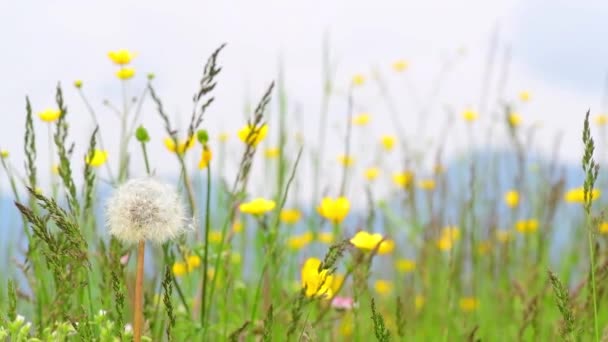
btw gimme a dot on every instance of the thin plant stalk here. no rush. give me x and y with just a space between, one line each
138 317
206 252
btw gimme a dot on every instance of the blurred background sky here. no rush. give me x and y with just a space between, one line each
558 53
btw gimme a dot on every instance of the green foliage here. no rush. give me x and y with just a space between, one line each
380 330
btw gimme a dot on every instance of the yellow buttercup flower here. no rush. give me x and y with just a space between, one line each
468 304
403 179
290 216
388 142
427 184
181 147
179 268
125 73
362 119
49 115
334 209
526 226
121 56
345 160
257 206
368 242
316 282
405 265
419 302
603 228
215 237
98 158
372 173
237 226
326 237
469 115
449 235
271 153
383 287
514 119
206 156
4 154
337 282
253 135
298 242
400 65
503 236
525 96
512 198
78 84
358 80
601 119
445 243
192 262
577 195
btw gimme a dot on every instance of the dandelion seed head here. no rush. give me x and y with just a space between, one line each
145 209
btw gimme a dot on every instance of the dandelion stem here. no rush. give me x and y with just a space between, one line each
206 253
138 302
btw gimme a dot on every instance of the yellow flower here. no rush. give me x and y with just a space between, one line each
49 114
388 142
257 206
125 73
368 242
577 195
193 262
514 119
400 65
337 282
223 137
316 281
525 96
121 56
334 210
55 169
403 179
372 173
290 216
484 247
4 154
526 226
98 158
503 236
469 115
253 135
326 237
383 287
445 243
215 237
78 84
300 241
358 80
419 302
237 226
180 268
271 152
182 146
405 265
206 156
512 198
603 228
468 304
601 119
362 119
427 184
346 161
451 232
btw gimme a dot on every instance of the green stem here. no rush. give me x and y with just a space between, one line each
593 290
206 253
145 152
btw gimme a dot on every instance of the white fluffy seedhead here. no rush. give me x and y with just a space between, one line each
145 209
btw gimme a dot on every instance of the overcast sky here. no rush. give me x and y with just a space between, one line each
558 48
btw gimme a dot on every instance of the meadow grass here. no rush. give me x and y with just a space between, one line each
436 258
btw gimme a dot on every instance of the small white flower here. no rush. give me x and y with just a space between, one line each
20 318
128 328
145 209
102 312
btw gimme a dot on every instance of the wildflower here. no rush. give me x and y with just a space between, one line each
215 237
315 280
601 119
400 65
206 156
121 56
49 115
526 226
383 287
503 236
469 115
257 206
253 135
237 226
326 237
451 232
223 137
193 261
484 247
98 158
345 160
358 80
55 169
362 119
403 179
577 195
512 198
334 210
145 209
271 153
468 304
525 96
4 153
300 241
603 228
336 284
290 216
368 242
179 268
388 142
445 243
125 73
181 147
78 84
514 119
419 301
343 303
427 184
371 173
405 265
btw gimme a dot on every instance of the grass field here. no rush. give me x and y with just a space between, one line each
205 256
